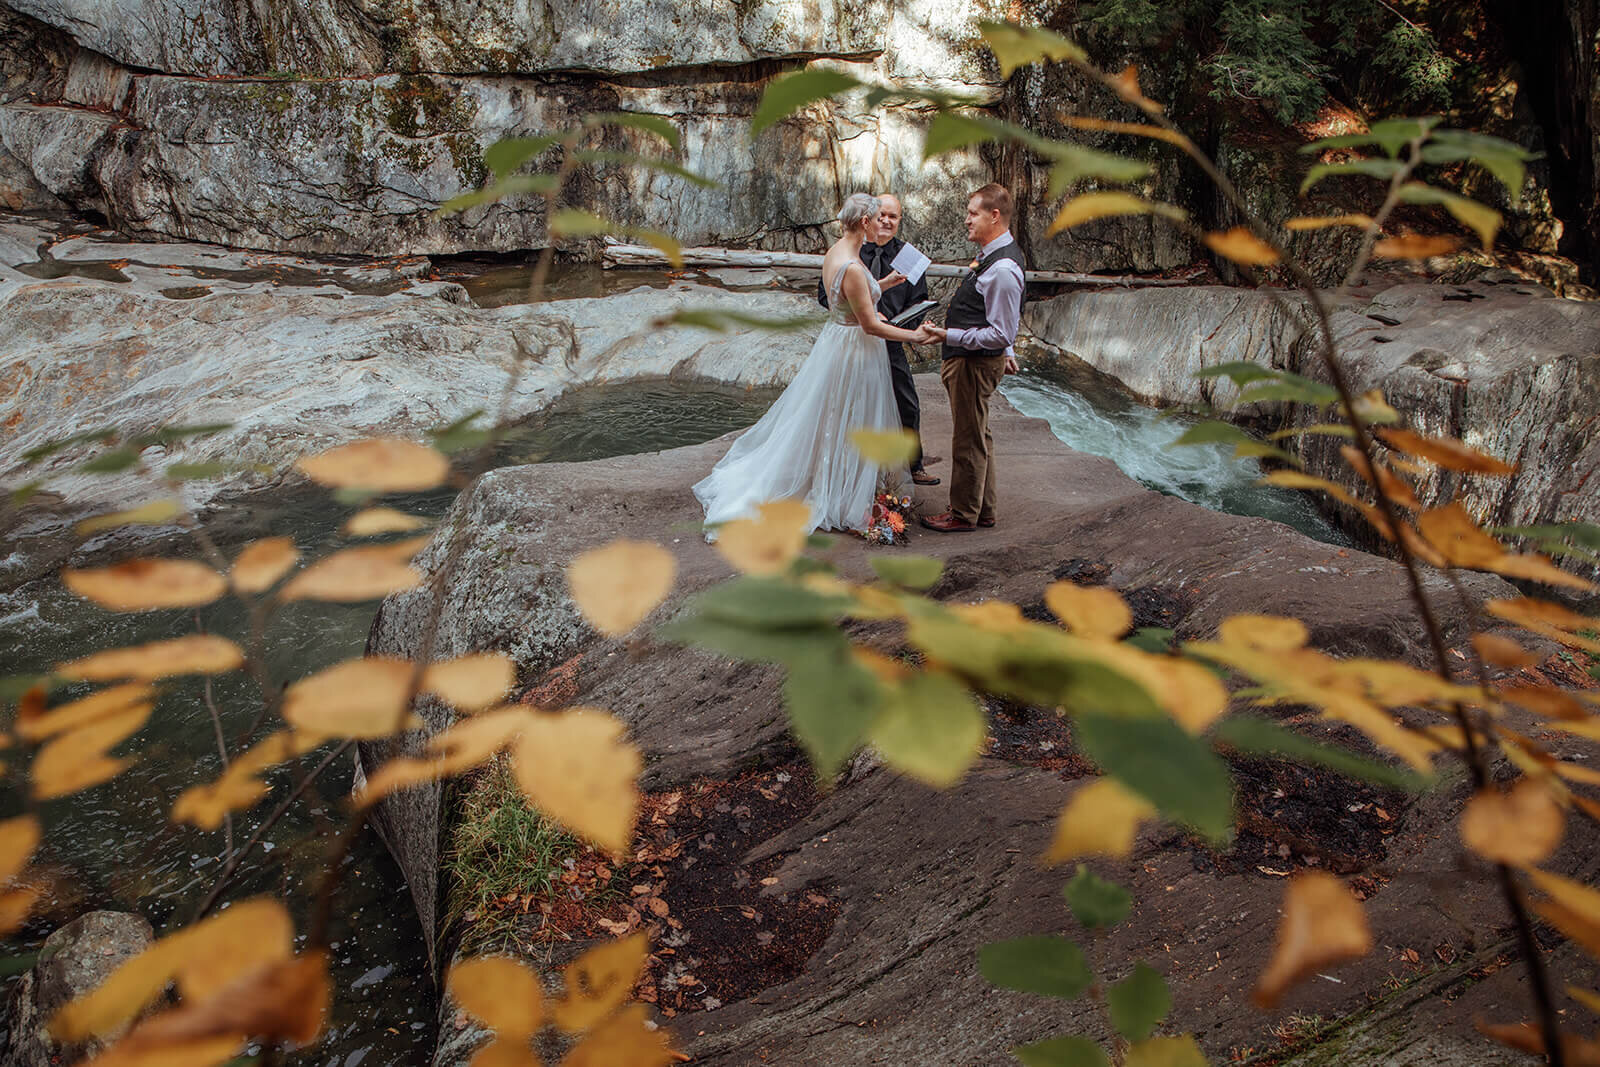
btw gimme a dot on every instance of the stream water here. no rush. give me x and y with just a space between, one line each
113 847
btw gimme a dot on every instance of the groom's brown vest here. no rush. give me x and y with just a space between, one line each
966 307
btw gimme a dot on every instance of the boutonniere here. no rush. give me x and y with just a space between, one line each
974 264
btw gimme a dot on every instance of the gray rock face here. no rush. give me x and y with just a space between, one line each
74 960
349 351
1507 367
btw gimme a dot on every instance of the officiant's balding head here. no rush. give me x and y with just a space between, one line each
889 214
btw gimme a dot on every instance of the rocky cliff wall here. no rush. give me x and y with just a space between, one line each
1502 364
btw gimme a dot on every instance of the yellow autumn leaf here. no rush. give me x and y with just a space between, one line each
617 585
1445 451
1548 620
1193 695
1520 827
576 767
768 544
1537 568
384 464
1091 611
18 838
886 448
626 1038
201 1052
261 563
1266 633
464 745
1499 651
500 993
77 759
1180 1051
355 574
1415 246
239 787
1588 998
155 513
1381 478
191 654
371 522
201 958
1137 129
599 981
997 616
1101 819
1126 83
16 905
500 1052
1323 924
1284 479
1086 207
1241 246
360 698
85 710
1322 222
1451 530
147 584
472 682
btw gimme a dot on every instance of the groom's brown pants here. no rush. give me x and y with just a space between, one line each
970 381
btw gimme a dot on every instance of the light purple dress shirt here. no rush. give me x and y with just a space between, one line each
1001 288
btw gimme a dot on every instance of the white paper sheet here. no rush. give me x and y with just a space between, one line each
910 262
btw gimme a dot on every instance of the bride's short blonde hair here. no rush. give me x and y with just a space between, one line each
858 208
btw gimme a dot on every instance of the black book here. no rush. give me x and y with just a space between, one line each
912 317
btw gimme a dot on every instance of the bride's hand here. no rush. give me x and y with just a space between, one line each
890 280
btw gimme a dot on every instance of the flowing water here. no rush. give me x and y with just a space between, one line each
113 847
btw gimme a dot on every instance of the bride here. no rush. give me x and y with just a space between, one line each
801 447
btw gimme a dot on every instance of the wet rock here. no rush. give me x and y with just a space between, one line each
74 960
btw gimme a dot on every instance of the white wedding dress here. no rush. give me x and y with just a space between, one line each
801 446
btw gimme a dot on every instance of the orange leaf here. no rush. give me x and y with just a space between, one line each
1089 611
1520 827
361 698
1321 222
1500 651
471 682
374 521
1451 530
77 759
577 768
386 464
617 585
355 574
466 744
1386 481
147 584
1101 819
19 836
1323 924
501 993
1267 633
1137 129
599 981
1241 246
98 705
1445 451
1415 246
193 654
768 544
262 563
625 1039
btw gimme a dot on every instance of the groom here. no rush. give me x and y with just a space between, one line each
878 253
980 327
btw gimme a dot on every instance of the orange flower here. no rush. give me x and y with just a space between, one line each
897 522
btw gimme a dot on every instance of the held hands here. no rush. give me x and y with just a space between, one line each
929 335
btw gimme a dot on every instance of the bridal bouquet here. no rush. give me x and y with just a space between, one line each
886 524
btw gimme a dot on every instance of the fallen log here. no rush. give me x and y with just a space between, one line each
626 255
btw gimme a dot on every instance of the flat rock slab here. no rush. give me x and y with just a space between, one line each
924 878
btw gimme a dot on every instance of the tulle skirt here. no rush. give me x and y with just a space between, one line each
801 447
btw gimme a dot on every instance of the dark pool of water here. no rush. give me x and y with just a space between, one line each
113 846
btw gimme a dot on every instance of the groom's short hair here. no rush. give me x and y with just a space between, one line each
994 197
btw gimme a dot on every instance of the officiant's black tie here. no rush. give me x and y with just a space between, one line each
876 261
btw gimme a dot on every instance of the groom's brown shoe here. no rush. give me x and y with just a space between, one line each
947 523
987 524
922 477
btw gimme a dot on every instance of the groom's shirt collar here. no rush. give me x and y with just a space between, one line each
995 245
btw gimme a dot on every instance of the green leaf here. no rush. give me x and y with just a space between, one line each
723 321
665 166
184 472
1240 372
664 243
931 728
737 641
571 222
1244 445
768 603
1062 1052
1372 168
908 572
1583 534
1041 963
1157 639
887 448
507 155
50 448
514 185
953 130
637 120
1503 159
1074 163
1479 218
1292 387
789 93
168 435
156 513
1159 760
832 701
1018 46
1139 1002
879 95
1257 736
1096 902
1394 134
112 462
460 435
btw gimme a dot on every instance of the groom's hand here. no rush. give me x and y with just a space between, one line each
1011 365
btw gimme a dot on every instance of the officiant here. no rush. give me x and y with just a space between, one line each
878 254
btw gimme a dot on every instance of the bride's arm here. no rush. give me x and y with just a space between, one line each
865 309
